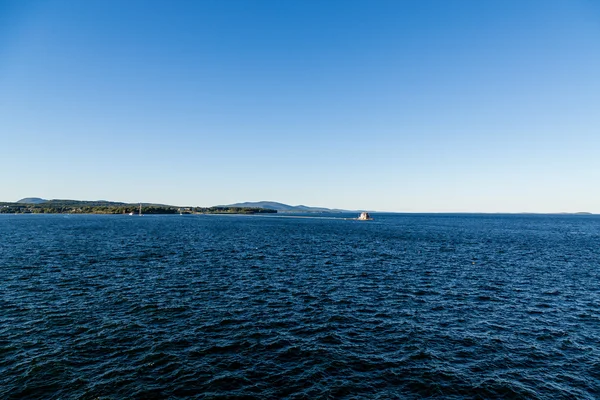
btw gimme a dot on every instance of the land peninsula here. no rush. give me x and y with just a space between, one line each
34 205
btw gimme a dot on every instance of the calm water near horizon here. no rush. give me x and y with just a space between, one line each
406 306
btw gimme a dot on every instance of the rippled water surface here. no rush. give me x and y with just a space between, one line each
406 306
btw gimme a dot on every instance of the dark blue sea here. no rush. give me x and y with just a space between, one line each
264 307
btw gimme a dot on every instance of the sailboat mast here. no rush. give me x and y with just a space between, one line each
140 209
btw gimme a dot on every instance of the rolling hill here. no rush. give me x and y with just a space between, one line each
280 207
32 200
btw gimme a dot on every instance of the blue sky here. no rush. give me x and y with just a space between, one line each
417 106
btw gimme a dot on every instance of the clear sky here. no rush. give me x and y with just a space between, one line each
417 106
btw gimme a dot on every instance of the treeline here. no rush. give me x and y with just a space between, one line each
83 209
79 207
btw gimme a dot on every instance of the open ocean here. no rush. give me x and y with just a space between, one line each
406 306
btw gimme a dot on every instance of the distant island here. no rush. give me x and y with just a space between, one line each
35 205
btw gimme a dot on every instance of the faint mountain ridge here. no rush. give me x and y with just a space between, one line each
280 207
32 200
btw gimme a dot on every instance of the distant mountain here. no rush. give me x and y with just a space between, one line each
93 203
280 207
32 200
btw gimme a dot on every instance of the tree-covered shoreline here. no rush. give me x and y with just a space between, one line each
107 207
